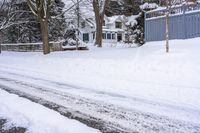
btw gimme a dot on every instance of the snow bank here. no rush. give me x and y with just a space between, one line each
36 118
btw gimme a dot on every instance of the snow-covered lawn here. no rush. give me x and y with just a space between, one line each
21 112
145 79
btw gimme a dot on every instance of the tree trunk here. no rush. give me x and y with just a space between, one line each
99 30
45 39
99 18
167 33
98 37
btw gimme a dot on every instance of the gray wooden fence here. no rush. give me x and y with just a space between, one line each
184 22
27 47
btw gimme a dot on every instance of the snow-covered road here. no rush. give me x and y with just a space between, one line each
96 108
10 130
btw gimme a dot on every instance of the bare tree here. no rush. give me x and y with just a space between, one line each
41 9
99 11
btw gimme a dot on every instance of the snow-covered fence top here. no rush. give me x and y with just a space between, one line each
175 10
184 22
21 44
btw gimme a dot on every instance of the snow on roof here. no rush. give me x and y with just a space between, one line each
86 30
149 6
115 18
113 30
130 20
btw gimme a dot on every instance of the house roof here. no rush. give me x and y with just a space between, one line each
115 18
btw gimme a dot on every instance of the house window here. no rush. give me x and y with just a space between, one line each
86 37
119 37
104 35
113 36
118 25
108 35
82 24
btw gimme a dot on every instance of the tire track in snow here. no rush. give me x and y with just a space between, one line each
108 118
10 130
99 93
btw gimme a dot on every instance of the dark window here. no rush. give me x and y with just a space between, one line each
118 25
104 35
108 35
113 36
119 37
85 37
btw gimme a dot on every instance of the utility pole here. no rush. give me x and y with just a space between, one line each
78 14
78 23
167 25
1 40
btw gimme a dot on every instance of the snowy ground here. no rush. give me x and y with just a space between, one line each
139 89
21 112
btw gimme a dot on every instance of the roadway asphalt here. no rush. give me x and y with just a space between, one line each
12 130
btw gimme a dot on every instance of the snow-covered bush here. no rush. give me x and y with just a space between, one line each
69 42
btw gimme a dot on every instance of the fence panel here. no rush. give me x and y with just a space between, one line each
181 26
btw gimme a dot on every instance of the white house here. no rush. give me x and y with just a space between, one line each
114 29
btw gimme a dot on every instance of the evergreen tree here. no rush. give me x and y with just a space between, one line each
13 36
57 24
24 32
123 7
138 29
